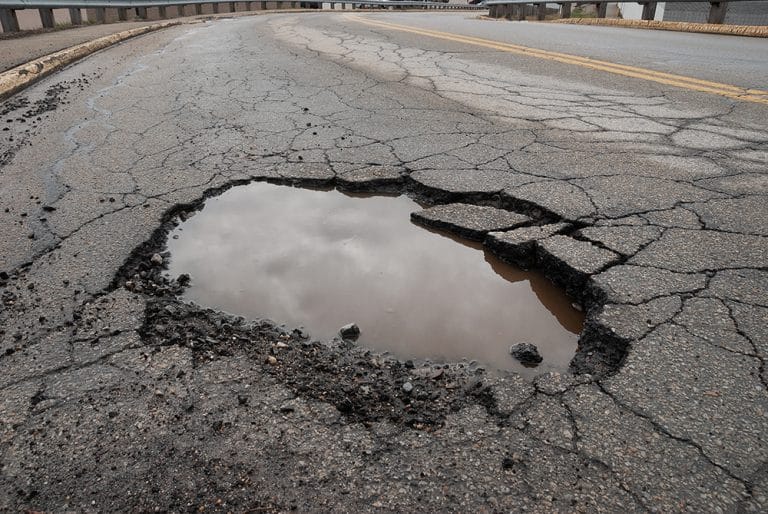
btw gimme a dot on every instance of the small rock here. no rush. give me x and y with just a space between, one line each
350 332
271 360
407 388
156 259
526 353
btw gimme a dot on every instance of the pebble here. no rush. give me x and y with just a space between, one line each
156 259
271 360
407 387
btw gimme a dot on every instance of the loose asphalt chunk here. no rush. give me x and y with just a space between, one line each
465 185
309 174
518 246
371 178
569 263
470 221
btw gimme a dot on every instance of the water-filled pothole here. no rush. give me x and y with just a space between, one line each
322 259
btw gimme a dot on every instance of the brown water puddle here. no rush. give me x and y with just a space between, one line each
322 259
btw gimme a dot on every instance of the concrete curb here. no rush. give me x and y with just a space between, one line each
21 76
677 26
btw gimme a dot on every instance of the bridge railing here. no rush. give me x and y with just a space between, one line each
10 23
521 9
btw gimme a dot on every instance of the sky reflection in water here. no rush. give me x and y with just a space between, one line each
322 259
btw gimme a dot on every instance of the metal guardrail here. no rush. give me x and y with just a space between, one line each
85 4
10 22
519 9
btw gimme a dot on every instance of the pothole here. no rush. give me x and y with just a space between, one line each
322 259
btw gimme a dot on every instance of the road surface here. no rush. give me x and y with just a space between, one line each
645 150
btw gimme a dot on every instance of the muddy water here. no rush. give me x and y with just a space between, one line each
322 259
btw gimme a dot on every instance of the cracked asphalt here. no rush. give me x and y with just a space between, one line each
645 202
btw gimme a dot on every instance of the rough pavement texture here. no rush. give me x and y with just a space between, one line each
118 397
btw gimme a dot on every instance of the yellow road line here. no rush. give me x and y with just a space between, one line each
691 83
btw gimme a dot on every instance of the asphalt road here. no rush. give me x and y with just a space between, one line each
734 60
649 202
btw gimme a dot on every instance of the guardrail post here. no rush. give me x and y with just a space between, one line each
541 12
215 8
565 10
601 9
521 13
141 12
101 15
8 20
161 12
717 12
75 16
198 9
46 18
649 11
232 7
122 14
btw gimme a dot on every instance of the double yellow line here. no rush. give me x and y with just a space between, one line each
694 84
